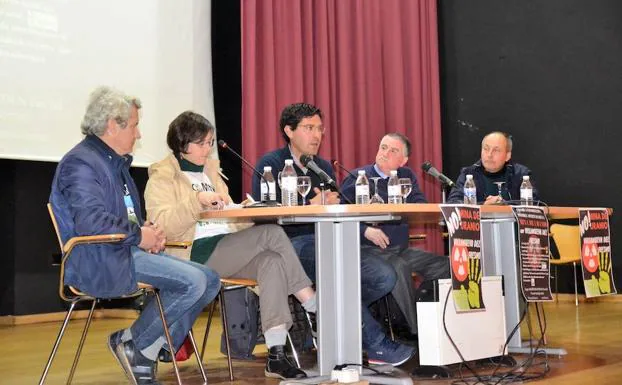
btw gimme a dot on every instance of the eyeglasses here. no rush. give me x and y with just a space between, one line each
206 142
309 128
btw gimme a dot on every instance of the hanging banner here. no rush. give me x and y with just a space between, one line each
465 245
534 255
596 252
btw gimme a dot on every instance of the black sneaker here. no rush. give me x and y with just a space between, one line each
139 369
279 366
114 341
165 356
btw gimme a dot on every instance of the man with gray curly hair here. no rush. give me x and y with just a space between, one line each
93 193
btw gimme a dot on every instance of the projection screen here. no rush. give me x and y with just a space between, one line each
53 53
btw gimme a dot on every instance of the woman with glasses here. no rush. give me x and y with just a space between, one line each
188 182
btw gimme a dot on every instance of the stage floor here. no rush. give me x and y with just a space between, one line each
591 333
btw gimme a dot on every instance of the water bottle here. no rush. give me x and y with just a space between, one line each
289 195
394 190
362 189
470 192
268 186
526 192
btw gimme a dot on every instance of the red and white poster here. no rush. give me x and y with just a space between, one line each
465 245
596 252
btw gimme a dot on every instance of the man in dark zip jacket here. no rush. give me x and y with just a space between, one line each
495 166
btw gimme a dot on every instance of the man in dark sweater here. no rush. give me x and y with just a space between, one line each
495 166
302 129
389 241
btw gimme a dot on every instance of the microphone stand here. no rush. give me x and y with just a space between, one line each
443 200
262 203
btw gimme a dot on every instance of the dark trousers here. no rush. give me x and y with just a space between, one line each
406 261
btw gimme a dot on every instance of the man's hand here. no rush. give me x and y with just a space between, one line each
493 200
330 197
152 238
377 237
604 269
211 200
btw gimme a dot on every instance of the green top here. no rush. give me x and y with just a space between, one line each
202 248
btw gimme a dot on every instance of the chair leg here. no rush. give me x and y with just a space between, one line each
82 339
314 338
389 316
207 327
556 286
574 273
169 340
294 352
199 358
225 326
57 343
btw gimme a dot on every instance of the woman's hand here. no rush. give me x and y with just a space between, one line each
211 200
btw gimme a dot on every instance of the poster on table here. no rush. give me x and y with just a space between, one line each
534 256
465 245
596 252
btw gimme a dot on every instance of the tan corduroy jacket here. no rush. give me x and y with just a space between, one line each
173 205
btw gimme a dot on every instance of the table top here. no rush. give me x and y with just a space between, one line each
417 213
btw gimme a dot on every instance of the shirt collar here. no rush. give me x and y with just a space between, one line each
296 160
108 152
382 174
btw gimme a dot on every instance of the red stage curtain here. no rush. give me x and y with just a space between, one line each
370 65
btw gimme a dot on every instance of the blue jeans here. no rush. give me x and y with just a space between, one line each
378 278
185 289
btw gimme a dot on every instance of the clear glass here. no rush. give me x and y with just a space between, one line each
406 186
376 198
500 191
304 186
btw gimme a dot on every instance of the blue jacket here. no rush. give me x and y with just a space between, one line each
514 173
276 159
87 198
396 231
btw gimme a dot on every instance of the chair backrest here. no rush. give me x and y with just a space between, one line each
53 218
568 242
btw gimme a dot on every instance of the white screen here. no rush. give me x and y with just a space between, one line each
53 53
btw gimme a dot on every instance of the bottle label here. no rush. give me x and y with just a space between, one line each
288 183
362 190
394 190
265 194
470 195
526 193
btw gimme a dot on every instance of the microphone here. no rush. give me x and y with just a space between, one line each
339 165
308 162
263 203
428 168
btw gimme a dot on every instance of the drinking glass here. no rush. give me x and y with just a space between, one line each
500 190
376 198
304 186
406 186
